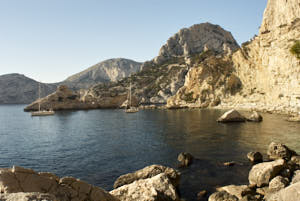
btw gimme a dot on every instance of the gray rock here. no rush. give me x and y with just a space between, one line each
148 172
185 159
279 150
222 196
157 188
231 116
278 183
255 117
262 173
255 157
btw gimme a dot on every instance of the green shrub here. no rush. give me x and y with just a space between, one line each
295 49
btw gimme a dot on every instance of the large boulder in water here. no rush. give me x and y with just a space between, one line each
157 188
148 172
255 157
231 116
262 173
185 159
278 150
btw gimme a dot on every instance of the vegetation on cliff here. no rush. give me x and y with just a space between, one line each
295 49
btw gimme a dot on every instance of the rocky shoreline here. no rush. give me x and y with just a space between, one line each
277 178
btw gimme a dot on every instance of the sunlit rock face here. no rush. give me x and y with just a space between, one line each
269 73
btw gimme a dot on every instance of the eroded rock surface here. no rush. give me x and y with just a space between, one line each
231 116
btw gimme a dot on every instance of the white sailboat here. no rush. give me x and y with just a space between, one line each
41 112
130 109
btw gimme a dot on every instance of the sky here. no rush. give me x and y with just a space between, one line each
49 40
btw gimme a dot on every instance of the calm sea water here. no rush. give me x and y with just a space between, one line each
99 145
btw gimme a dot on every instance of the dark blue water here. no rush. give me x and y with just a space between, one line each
99 145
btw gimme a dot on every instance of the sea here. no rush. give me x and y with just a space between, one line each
97 146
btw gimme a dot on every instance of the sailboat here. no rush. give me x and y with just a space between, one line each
41 112
130 109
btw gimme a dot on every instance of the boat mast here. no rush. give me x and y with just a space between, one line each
39 96
130 95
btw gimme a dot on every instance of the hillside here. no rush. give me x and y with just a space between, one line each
16 88
110 70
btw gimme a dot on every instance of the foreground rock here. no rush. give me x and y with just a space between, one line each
262 173
27 197
291 193
148 172
237 191
185 159
278 150
17 180
222 196
157 188
231 116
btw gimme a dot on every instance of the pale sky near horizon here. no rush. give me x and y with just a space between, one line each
49 40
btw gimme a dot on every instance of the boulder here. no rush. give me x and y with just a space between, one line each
148 172
290 193
27 197
262 173
157 188
279 150
296 177
278 183
238 191
222 196
231 116
185 159
255 117
255 157
21 184
296 160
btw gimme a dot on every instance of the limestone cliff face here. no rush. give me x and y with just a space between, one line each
110 70
207 83
16 89
269 73
196 39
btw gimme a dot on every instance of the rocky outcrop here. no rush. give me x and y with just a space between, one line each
196 39
209 81
231 116
110 70
18 183
157 188
148 172
17 89
268 56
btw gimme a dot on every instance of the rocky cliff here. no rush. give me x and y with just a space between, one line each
17 88
110 70
264 68
161 77
268 71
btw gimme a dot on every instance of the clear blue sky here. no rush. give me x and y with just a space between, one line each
48 40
